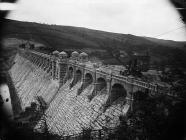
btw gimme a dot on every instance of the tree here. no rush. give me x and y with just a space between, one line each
148 119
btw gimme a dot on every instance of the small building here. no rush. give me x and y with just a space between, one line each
55 53
83 57
75 55
63 55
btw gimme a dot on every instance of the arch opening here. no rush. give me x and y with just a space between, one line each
78 76
54 70
117 91
100 84
88 79
50 66
70 73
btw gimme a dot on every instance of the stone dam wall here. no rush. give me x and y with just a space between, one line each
68 113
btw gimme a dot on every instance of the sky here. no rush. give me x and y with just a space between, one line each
151 18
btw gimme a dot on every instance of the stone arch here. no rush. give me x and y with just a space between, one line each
78 76
117 91
100 84
88 79
70 72
54 69
70 68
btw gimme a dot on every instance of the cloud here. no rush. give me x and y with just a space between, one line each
138 17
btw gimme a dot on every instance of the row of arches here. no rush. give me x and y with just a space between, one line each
117 90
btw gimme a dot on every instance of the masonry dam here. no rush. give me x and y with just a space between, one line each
79 94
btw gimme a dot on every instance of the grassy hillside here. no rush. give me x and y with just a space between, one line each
104 45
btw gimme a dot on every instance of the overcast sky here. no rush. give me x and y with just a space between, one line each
139 17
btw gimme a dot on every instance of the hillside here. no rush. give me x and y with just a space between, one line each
100 44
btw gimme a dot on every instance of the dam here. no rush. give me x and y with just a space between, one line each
78 94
